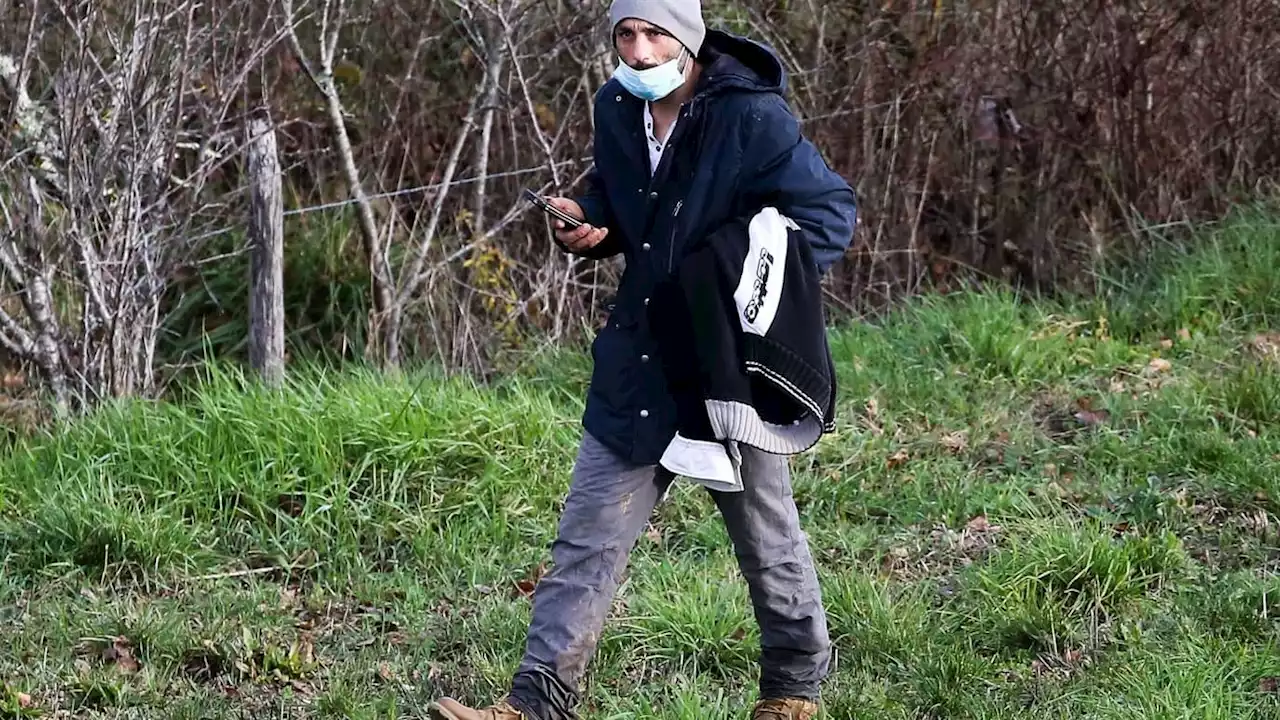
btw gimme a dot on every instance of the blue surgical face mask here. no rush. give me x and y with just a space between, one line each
653 83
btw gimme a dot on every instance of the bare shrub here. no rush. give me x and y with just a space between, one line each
125 114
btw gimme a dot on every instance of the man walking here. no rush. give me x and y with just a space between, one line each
692 131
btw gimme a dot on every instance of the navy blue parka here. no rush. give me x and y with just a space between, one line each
736 147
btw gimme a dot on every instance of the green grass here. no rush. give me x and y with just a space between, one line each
1021 515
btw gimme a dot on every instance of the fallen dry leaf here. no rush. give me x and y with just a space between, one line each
1159 365
899 458
1269 685
956 442
873 409
525 587
871 417
385 672
13 380
1267 344
307 649
1184 334
291 504
120 654
1092 418
980 524
895 560
1166 343
25 701
654 535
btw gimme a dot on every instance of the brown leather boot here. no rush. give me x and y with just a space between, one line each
450 709
785 709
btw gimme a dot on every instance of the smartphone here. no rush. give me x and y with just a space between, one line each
570 222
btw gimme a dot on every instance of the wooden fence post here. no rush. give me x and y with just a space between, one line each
266 254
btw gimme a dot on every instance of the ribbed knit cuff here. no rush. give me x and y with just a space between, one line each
789 372
739 421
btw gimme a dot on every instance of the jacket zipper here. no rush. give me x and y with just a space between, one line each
671 242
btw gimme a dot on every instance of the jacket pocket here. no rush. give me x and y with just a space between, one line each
613 375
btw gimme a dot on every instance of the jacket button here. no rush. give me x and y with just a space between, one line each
644 358
645 246
644 413
653 195
646 301
617 98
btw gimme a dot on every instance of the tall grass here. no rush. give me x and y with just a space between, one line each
1021 514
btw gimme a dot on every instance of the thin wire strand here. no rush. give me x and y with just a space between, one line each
399 193
467 181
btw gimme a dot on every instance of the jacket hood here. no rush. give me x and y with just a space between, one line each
738 63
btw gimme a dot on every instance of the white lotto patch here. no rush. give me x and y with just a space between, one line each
760 287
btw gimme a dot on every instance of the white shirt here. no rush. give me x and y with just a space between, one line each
657 146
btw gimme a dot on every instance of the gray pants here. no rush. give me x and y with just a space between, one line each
609 503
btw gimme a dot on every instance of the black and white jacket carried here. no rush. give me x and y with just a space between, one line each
741 332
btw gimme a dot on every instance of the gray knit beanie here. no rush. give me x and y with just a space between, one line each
681 18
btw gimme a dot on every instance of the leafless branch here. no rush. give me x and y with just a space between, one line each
387 346
411 279
528 101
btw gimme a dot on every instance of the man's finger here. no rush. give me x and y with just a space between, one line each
585 241
576 234
592 239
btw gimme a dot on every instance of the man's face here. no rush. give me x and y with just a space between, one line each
642 45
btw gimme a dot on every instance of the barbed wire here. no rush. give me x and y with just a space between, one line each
477 178
400 193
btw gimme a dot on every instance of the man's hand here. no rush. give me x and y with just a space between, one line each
584 236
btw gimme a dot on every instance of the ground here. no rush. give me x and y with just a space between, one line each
1050 509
